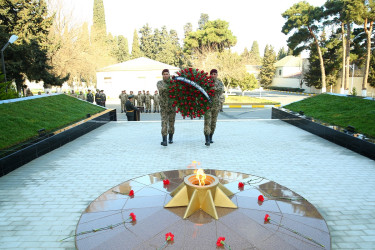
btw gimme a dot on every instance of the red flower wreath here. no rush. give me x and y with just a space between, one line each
191 92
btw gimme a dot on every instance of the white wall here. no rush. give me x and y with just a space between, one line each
287 71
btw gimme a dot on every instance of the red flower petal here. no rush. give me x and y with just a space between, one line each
131 193
241 185
260 198
132 215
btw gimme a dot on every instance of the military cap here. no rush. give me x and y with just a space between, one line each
131 96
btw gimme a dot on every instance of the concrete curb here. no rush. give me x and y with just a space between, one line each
291 92
251 106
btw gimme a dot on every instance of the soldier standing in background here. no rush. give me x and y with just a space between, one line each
139 100
222 100
90 96
156 98
168 113
72 94
144 100
103 98
210 117
97 97
123 99
133 99
148 98
130 108
81 95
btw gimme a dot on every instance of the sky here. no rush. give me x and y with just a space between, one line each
249 20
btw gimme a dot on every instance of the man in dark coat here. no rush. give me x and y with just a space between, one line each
130 109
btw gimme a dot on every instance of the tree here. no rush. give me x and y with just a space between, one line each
267 72
123 49
187 29
343 13
304 20
147 44
281 54
254 55
136 51
202 21
368 23
27 58
99 30
215 35
248 82
371 75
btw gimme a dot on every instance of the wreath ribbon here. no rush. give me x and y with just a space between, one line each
194 84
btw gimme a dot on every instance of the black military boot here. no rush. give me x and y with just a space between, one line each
211 141
164 142
207 140
170 139
146 110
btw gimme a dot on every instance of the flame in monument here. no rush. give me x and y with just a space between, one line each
201 176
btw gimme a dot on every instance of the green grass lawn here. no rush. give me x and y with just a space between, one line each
340 111
20 121
247 99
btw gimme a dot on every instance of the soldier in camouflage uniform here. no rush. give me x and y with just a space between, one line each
210 117
123 98
133 99
222 100
144 100
139 98
167 112
156 98
148 98
81 95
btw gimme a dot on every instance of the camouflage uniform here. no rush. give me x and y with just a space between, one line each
210 117
144 99
167 112
81 96
123 97
139 98
148 102
156 98
222 100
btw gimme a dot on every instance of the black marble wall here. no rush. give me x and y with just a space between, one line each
346 140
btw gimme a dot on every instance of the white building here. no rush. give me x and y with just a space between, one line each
288 72
134 75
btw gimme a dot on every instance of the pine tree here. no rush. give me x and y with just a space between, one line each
99 30
147 44
267 72
187 29
254 55
281 54
136 51
27 58
123 49
202 21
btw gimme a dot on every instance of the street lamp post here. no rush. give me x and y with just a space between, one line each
12 39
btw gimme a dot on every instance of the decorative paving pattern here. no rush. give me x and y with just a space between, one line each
244 228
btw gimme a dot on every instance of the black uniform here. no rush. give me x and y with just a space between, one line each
130 110
90 97
97 98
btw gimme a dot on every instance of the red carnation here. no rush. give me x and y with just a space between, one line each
208 108
169 236
132 215
267 218
131 193
260 198
241 185
220 241
166 182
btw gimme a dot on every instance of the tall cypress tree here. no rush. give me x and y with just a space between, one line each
136 51
267 72
123 49
99 30
147 41
254 55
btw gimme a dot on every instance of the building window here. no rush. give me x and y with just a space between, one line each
279 72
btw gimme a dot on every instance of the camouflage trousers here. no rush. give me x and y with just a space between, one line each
148 106
168 116
156 107
210 118
122 106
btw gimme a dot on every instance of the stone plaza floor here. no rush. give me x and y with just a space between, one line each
42 201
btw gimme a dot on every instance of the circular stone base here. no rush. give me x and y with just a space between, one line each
101 227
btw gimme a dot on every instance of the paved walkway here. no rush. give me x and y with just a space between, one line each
41 202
